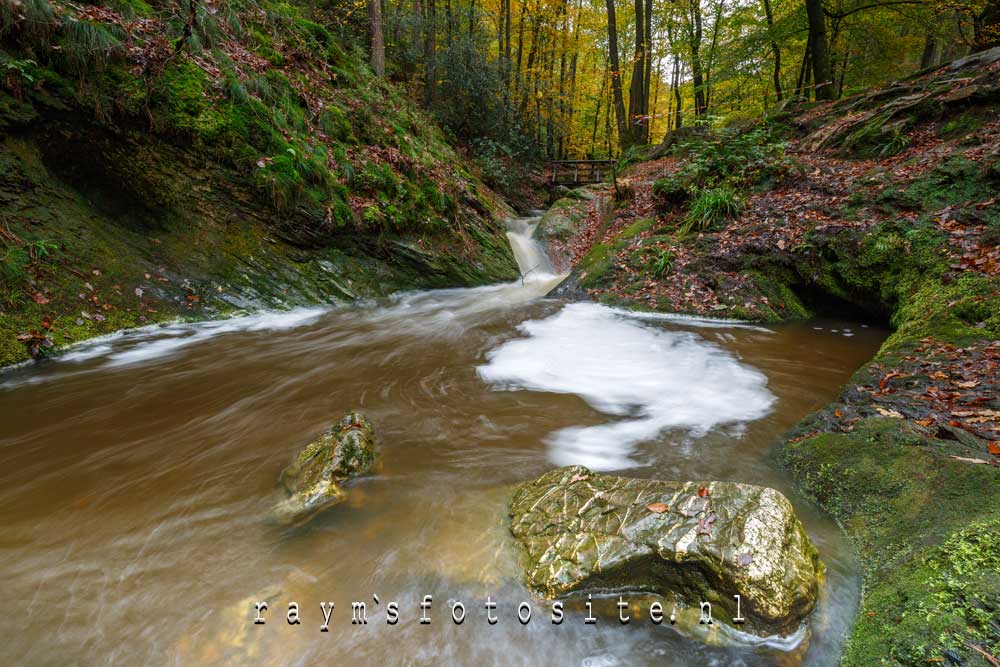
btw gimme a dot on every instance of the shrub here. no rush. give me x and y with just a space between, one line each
735 158
709 207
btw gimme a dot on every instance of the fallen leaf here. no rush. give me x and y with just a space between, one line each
994 448
838 413
884 382
658 508
703 492
925 422
39 298
966 385
887 413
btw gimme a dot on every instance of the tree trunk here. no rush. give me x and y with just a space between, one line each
676 85
624 136
378 40
430 46
597 112
775 49
635 115
572 80
520 50
819 50
694 44
647 79
530 64
716 22
651 110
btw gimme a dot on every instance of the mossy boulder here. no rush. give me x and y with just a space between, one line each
697 541
313 480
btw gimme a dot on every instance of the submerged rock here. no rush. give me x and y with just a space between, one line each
312 481
700 541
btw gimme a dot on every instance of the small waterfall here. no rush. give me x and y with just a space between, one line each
532 260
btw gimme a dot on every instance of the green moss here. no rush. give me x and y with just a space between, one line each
181 103
335 124
926 533
956 179
961 310
961 125
635 229
595 266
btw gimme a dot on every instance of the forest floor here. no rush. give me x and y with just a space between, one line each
890 210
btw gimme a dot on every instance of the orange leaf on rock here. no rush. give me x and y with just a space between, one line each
658 508
884 382
703 492
925 422
994 448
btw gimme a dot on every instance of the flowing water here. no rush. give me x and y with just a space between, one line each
136 475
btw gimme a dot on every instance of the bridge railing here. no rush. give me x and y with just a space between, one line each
579 172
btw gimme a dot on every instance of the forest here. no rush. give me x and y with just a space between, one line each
361 318
583 79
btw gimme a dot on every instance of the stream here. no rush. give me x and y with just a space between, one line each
137 472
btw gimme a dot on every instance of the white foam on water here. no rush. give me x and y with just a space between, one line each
172 338
653 378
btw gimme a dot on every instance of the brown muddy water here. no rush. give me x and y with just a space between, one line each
136 475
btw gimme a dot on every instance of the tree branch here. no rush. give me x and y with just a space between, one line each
874 5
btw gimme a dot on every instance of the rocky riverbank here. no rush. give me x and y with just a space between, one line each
885 206
145 182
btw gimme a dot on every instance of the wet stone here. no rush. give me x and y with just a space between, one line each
313 481
582 531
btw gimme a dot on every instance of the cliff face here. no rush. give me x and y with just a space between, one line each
155 166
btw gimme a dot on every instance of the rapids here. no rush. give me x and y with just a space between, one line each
136 473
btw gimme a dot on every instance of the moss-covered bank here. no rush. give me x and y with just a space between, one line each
256 163
902 226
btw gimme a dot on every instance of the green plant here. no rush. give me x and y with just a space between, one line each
664 264
737 158
670 193
895 144
709 207
83 43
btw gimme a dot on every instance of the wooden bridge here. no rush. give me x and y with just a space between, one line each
579 172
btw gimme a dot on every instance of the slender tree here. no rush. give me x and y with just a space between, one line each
377 38
624 135
636 121
775 49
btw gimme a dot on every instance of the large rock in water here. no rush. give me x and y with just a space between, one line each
312 481
700 541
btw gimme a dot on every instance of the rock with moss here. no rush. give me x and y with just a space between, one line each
697 541
313 480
